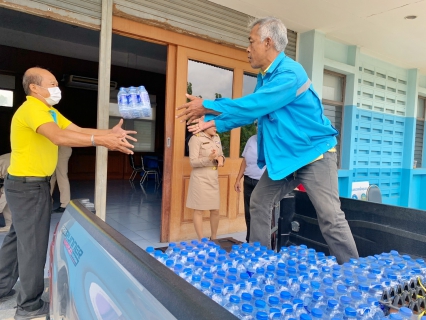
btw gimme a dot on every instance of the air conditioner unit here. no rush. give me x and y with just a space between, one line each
74 81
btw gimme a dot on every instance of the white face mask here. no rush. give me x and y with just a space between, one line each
55 95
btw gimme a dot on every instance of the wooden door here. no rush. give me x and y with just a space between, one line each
209 75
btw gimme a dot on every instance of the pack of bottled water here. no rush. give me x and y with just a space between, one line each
253 282
134 103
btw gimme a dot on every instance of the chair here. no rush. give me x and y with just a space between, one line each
374 194
152 168
136 169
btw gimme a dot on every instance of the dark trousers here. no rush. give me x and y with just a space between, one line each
249 185
320 181
24 249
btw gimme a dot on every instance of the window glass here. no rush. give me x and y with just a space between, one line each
249 84
6 98
210 82
332 87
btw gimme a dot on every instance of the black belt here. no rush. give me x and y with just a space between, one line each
28 179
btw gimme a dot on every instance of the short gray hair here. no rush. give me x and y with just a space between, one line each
273 28
30 78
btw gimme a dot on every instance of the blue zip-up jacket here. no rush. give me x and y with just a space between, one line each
292 128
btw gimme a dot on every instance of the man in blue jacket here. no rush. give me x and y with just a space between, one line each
295 139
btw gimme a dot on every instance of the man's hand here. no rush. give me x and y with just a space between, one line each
120 131
115 142
237 185
199 125
192 110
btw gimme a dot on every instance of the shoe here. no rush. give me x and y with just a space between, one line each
59 210
22 314
7 296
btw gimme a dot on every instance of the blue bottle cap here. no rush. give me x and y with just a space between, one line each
260 315
273 300
205 284
208 275
303 287
247 308
327 281
256 244
350 312
305 316
315 285
169 263
406 312
216 289
332 303
196 277
244 276
298 303
280 273
258 293
270 268
260 304
373 301
221 273
281 265
246 296
234 299
231 278
269 288
218 281
285 295
356 295
317 295
363 287
341 288
345 300
287 306
316 313
395 316
329 292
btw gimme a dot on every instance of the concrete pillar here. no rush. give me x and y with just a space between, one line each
103 106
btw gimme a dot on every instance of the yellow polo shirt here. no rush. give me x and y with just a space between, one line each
33 155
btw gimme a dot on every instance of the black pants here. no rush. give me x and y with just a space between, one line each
24 249
249 185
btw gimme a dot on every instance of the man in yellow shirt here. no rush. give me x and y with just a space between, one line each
37 130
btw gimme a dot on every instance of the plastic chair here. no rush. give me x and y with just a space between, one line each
149 170
136 169
374 194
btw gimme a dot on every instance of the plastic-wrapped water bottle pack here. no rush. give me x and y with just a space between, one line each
253 282
134 103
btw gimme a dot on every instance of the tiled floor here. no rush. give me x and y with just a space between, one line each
131 210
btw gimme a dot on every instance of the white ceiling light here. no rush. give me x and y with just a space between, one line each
410 17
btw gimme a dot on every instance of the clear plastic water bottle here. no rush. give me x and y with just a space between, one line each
123 104
233 305
303 293
317 298
356 298
305 316
332 310
246 312
205 288
285 297
350 314
196 281
376 311
299 309
344 303
405 313
261 315
217 295
134 102
287 311
316 314
260 305
145 102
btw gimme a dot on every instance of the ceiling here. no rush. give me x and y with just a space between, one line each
378 27
30 32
